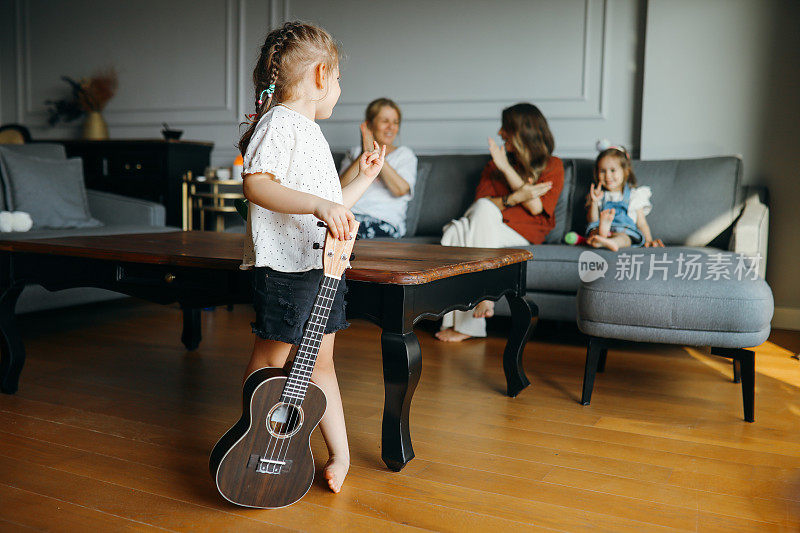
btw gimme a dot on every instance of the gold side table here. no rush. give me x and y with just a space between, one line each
212 196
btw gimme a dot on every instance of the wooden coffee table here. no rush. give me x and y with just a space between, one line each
392 284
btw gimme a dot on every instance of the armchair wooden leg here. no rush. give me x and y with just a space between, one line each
594 350
747 365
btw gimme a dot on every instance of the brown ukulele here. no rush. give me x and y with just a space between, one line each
265 459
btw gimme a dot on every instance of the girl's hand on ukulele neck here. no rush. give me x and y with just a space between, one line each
371 163
499 155
366 138
339 219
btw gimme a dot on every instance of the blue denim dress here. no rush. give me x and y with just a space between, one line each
622 223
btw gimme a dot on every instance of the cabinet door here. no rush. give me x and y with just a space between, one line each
136 173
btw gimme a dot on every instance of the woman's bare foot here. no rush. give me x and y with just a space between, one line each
451 335
602 242
485 309
606 218
335 471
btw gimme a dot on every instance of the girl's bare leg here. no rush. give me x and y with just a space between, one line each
267 353
332 424
606 218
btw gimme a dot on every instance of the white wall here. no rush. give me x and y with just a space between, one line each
723 77
452 66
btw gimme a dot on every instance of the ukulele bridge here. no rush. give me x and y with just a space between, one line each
269 466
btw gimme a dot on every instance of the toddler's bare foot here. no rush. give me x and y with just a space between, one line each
335 471
606 218
451 335
602 242
485 309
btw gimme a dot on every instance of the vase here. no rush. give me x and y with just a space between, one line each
95 128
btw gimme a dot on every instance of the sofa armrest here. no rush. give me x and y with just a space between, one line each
113 210
751 230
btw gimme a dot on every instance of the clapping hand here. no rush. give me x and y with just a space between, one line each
366 138
499 155
371 162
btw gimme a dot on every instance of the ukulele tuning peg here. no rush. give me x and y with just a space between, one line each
352 256
317 246
321 224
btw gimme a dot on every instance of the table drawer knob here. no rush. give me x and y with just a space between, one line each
169 277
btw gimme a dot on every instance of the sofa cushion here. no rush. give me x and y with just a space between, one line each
554 267
734 312
694 200
120 229
449 190
51 190
563 206
413 208
46 150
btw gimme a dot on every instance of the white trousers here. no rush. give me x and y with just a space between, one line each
481 226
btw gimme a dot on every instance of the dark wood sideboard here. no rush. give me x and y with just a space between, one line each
147 169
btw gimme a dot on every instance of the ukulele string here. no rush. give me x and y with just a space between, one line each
328 291
314 343
315 340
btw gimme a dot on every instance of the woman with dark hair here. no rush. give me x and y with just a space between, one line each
382 209
515 203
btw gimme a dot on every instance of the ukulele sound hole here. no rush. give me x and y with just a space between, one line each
284 420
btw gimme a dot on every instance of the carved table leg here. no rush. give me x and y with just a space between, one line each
13 350
402 365
512 357
191 328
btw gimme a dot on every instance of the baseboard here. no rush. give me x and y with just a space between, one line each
786 318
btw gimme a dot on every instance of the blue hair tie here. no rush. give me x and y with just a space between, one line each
270 91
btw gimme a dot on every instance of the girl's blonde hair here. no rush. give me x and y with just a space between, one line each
530 137
286 55
375 106
624 161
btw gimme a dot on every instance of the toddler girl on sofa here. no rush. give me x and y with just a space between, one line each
616 208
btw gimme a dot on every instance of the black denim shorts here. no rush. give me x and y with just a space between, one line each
283 302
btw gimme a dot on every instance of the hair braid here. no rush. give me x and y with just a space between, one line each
284 57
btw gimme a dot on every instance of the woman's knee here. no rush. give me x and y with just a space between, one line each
484 208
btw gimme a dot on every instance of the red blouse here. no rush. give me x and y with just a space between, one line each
533 227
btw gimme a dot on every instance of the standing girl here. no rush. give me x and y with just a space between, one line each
616 207
290 180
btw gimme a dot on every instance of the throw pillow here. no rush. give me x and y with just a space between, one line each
51 190
47 150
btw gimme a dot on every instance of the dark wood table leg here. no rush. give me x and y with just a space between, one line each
521 317
402 365
191 327
13 350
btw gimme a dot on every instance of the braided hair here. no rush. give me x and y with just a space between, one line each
285 57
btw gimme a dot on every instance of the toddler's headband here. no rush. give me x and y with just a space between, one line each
604 144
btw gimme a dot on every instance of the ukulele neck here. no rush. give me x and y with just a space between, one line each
303 365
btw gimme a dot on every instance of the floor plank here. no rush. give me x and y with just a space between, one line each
113 422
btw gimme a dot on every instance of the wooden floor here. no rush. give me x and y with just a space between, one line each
113 422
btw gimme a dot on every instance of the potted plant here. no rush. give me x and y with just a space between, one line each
89 97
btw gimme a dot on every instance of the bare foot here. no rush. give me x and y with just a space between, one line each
485 309
335 471
602 242
451 335
606 218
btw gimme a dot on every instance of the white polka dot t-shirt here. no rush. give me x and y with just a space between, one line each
291 147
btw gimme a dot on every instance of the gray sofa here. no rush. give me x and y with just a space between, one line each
119 215
697 204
